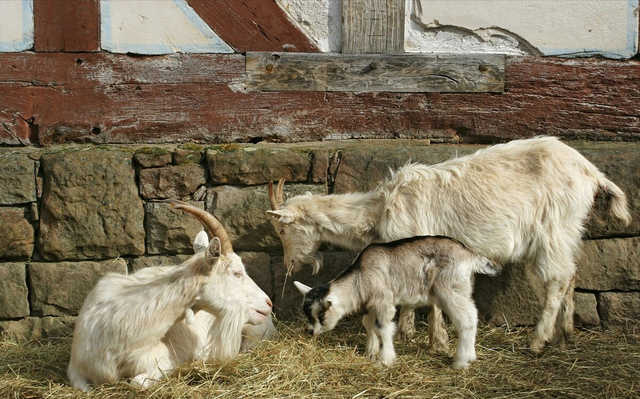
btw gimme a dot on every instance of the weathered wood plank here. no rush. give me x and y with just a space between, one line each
252 25
579 98
375 72
373 26
395 26
70 25
97 69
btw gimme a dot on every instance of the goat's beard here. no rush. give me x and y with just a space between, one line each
225 337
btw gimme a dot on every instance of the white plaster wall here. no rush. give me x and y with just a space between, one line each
156 27
321 20
16 25
550 27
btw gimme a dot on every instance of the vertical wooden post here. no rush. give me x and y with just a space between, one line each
66 25
373 26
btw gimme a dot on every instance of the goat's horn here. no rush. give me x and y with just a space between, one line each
214 227
275 199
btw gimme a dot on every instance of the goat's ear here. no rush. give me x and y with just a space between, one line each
327 304
201 242
301 287
282 215
213 254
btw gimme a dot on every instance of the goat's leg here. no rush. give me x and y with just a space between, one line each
545 328
557 275
438 337
406 323
460 308
373 344
385 328
156 363
564 325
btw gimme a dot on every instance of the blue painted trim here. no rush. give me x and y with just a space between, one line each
214 45
27 31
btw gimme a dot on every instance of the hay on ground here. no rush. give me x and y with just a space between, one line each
595 364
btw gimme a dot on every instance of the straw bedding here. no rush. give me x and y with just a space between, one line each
597 363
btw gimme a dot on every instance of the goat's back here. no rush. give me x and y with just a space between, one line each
506 202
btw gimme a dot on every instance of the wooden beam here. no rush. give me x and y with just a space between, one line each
252 25
373 26
69 25
107 98
375 73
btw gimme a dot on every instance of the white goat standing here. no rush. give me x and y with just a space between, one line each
523 201
133 326
415 271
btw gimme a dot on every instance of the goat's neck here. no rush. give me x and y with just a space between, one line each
166 299
348 221
347 291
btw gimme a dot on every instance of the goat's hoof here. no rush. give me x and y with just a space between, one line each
461 365
537 346
405 336
440 347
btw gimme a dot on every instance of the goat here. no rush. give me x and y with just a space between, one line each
251 334
523 201
134 326
414 271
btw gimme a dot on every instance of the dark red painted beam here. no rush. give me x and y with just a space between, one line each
253 25
66 25
111 98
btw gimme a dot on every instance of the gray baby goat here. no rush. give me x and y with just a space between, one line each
412 272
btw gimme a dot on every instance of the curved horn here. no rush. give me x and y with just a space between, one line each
213 226
276 200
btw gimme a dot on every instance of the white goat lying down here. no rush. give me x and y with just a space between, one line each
524 201
251 333
415 271
134 326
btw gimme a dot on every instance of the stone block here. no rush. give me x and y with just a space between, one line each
242 211
171 181
513 298
620 310
153 157
39 328
611 264
170 231
586 309
90 206
14 301
18 178
17 239
620 162
258 266
364 166
187 157
58 289
253 165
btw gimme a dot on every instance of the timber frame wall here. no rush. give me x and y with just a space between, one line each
68 91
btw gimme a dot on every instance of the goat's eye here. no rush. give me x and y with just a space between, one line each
238 274
281 231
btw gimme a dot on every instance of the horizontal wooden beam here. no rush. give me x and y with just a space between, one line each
54 98
375 72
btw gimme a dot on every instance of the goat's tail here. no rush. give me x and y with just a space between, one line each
488 267
617 200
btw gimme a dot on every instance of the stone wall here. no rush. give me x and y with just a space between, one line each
70 214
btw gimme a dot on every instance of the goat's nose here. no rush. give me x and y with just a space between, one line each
269 303
310 331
